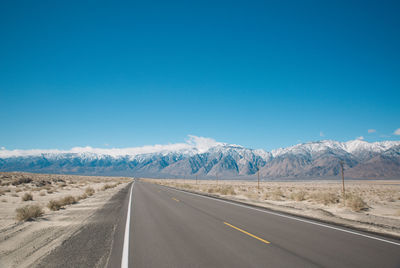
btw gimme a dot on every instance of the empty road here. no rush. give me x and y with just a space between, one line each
171 228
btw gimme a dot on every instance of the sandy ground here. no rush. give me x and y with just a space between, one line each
369 205
23 243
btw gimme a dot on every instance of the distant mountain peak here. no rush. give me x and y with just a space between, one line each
200 156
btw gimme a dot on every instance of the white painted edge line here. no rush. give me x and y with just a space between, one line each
290 217
125 251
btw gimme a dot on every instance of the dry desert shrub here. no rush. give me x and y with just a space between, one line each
58 180
21 181
326 198
276 195
211 190
41 183
228 190
187 186
4 200
68 200
251 195
355 202
202 189
47 187
89 191
2 192
298 196
50 191
62 185
42 193
82 196
27 197
54 205
15 195
58 204
108 186
28 212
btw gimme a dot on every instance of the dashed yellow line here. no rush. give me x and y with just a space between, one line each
249 234
173 198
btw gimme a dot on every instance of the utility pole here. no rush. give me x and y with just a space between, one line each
258 178
217 179
343 190
196 179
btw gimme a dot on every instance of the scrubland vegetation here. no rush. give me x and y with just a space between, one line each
29 212
39 211
89 191
27 197
109 186
327 194
43 191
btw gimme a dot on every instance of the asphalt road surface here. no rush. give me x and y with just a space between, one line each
172 228
147 225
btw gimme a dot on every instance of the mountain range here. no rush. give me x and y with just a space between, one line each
206 158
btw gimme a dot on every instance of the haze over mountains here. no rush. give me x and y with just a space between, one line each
206 158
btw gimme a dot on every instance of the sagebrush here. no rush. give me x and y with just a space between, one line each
29 212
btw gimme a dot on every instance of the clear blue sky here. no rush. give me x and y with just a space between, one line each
263 74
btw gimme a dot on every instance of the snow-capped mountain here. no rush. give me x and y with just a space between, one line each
204 157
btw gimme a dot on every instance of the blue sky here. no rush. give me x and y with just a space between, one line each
263 74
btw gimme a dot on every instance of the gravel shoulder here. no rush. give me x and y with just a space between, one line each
92 243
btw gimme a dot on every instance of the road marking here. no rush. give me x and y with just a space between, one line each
243 231
125 251
290 217
173 198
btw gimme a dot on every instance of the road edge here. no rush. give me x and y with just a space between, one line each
317 220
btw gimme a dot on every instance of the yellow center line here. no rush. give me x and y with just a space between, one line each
175 199
243 231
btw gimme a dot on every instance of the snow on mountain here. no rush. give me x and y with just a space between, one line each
360 145
192 146
205 157
352 147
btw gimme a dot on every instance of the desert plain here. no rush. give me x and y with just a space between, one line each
40 211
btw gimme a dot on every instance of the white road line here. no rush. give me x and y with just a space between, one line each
290 217
125 251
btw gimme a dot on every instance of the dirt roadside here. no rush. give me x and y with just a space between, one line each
25 243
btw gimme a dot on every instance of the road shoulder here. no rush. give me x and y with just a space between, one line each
370 228
91 244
